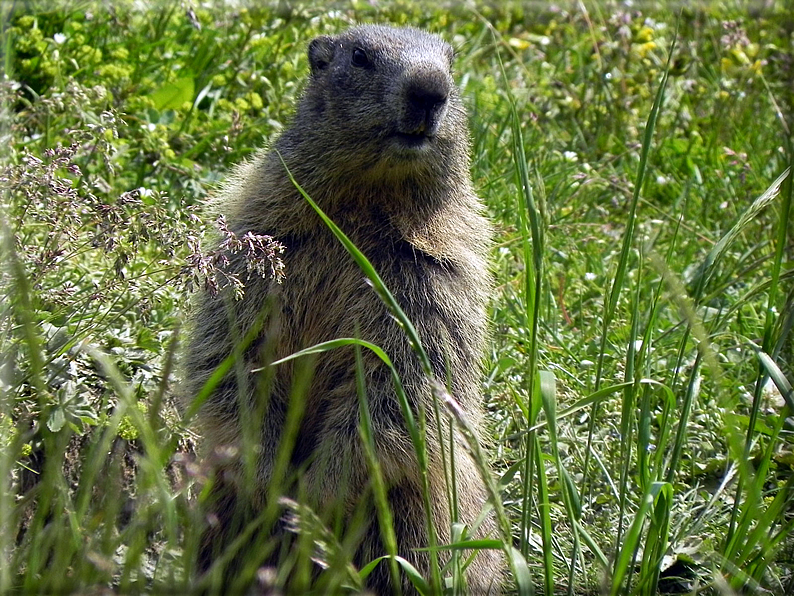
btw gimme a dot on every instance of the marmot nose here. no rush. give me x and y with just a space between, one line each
426 102
425 99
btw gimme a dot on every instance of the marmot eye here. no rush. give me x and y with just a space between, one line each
359 58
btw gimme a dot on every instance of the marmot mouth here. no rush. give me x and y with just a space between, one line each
412 140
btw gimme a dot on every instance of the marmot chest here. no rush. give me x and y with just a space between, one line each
326 294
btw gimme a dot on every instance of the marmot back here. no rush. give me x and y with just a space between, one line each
380 142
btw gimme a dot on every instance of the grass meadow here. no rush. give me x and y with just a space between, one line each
635 160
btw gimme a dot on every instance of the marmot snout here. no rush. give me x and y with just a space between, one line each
423 94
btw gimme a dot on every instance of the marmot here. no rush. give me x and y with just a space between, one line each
380 142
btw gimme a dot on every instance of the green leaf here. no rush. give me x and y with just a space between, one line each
333 344
521 573
173 95
416 578
56 420
778 378
364 572
546 386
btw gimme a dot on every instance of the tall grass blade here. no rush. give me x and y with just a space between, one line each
51 491
592 544
692 391
417 436
627 409
544 519
514 557
646 472
656 541
761 543
417 433
529 218
610 305
379 490
531 230
547 392
760 203
151 444
625 555
377 283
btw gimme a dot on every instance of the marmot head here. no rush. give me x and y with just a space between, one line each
384 103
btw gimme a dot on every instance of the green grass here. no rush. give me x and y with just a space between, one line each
639 382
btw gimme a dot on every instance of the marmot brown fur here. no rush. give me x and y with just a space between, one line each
380 142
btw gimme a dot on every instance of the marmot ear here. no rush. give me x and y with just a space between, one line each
321 52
